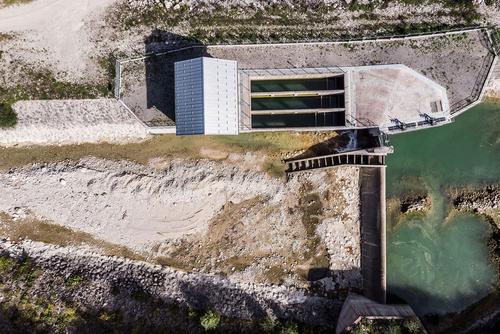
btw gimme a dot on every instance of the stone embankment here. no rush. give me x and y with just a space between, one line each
479 199
110 281
64 122
201 215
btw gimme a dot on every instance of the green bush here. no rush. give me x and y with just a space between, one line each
210 320
73 281
8 117
268 325
290 328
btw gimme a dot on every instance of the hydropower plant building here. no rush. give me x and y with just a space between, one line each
214 96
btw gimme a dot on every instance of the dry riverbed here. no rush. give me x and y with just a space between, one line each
198 215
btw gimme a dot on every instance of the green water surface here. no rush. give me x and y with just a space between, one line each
435 263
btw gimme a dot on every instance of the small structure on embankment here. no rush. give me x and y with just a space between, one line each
357 308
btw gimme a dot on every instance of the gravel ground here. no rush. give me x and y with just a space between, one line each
58 122
454 61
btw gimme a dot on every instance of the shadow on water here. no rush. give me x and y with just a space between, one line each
166 48
452 322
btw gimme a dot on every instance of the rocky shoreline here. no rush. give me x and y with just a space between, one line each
477 199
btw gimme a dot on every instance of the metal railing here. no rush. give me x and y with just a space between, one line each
479 83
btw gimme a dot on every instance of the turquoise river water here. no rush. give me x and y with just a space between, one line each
439 263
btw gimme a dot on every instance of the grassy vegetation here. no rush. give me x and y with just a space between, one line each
14 2
214 24
5 37
74 281
397 326
47 232
41 84
273 145
356 5
210 320
495 37
8 117
20 310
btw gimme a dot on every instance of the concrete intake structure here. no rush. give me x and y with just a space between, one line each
216 96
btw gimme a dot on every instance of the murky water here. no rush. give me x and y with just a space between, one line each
437 264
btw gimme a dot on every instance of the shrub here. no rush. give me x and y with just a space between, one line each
290 328
73 281
268 325
210 320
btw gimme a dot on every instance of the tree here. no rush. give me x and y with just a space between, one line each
8 117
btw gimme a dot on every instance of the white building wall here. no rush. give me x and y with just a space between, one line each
220 86
206 97
189 117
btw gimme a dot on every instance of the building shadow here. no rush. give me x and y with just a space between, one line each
164 49
345 281
344 141
437 312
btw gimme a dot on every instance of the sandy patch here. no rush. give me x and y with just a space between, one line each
128 204
57 122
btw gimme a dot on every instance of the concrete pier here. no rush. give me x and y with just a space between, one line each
373 233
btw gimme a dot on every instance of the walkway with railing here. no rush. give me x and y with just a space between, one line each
360 158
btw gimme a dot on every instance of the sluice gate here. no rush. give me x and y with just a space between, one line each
360 158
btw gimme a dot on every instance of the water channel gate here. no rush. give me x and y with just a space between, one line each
361 158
